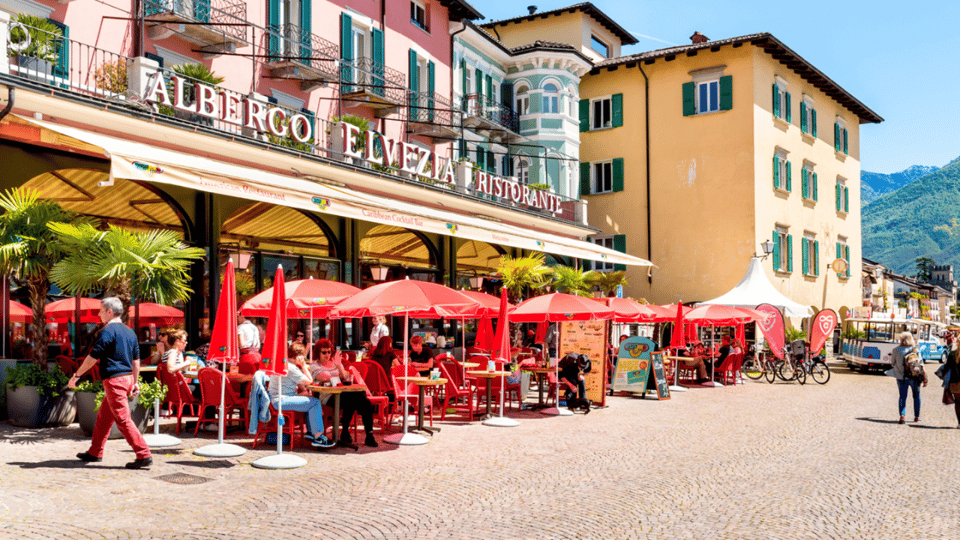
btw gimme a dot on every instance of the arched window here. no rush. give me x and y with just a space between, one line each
551 99
523 170
523 100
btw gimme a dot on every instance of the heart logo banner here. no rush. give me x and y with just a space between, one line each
823 325
773 328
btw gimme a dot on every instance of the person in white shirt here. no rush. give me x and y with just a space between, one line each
249 338
379 330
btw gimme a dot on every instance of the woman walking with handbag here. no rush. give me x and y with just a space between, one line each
905 379
951 381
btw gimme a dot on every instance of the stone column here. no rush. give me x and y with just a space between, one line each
139 71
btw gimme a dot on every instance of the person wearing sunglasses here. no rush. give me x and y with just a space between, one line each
328 365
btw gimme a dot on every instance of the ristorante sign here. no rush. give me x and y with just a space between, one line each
374 148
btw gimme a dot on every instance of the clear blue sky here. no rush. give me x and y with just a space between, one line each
898 58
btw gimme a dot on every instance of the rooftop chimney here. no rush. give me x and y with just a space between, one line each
532 9
697 37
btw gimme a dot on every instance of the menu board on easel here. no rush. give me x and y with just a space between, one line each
633 365
659 379
589 338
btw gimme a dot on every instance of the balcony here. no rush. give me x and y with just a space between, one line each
491 119
290 52
217 26
366 83
432 115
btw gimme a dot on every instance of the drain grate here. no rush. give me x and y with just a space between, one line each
183 479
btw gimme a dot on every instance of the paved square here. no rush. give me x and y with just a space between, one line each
754 461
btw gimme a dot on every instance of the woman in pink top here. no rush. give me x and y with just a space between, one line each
327 366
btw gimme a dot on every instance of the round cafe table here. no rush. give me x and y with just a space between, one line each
336 391
489 376
541 373
422 383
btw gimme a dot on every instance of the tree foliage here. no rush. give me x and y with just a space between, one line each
524 277
566 279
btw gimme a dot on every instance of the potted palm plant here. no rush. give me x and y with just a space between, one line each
35 42
36 397
524 277
566 279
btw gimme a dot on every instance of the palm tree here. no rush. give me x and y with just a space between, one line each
523 275
571 280
150 266
608 281
28 249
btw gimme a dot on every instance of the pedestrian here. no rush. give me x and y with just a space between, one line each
118 352
950 373
904 378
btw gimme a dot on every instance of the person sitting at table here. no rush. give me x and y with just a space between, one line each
174 361
572 367
421 358
325 367
725 350
384 354
292 395
693 357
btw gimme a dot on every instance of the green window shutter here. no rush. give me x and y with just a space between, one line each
838 196
584 179
306 31
815 186
804 254
479 84
776 250
846 199
776 102
846 257
413 83
463 150
584 115
616 105
839 250
273 19
431 82
620 244
689 105
845 142
804 190
803 117
62 45
378 62
787 106
789 177
789 253
776 172
491 162
489 89
480 159
816 258
618 174
836 137
463 81
346 43
726 92
813 122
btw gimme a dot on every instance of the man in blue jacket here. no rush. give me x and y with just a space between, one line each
118 352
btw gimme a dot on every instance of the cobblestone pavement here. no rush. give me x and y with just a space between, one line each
754 461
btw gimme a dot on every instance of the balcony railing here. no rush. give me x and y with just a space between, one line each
477 106
432 115
210 22
294 53
364 77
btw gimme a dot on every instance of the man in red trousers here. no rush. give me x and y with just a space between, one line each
118 352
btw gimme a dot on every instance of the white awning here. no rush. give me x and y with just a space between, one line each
755 289
138 161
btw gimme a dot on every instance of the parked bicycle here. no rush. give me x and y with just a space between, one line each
756 366
799 364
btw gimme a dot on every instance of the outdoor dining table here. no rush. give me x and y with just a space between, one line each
335 391
541 373
489 376
422 383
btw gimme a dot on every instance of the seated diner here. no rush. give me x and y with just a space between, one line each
327 368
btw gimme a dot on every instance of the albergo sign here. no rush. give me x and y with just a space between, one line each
419 161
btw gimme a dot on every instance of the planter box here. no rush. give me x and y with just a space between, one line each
23 407
35 69
63 410
87 415
4 364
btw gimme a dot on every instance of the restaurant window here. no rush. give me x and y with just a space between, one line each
600 113
710 91
418 14
551 99
607 242
810 255
782 250
523 170
808 180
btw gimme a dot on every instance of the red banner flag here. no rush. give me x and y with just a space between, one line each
773 328
823 325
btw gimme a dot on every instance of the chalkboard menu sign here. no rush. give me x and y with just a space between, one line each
633 365
659 376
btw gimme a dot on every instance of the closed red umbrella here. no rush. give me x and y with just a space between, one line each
484 339
676 337
501 352
274 355
306 299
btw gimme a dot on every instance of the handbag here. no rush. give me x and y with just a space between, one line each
955 388
947 397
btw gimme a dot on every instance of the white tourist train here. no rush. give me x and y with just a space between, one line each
868 343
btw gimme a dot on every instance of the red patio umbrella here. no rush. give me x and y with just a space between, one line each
306 299
666 313
719 315
490 304
626 310
501 352
676 337
157 314
20 313
66 310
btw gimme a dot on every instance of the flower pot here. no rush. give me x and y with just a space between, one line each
4 364
62 409
36 69
87 414
23 407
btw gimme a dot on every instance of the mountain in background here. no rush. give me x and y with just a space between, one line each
874 185
921 219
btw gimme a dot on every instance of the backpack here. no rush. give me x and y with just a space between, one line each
913 365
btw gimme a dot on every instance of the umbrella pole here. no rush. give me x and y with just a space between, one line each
278 460
280 418
157 439
223 395
463 349
405 437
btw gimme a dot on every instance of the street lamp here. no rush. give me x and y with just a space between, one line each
379 273
475 281
767 246
240 260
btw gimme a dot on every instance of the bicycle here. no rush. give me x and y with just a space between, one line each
755 367
817 368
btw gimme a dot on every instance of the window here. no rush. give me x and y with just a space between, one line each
467 81
843 195
782 173
781 101
840 137
551 100
708 92
523 100
523 170
599 46
607 242
418 14
602 177
843 253
601 115
810 258
808 117
808 179
782 250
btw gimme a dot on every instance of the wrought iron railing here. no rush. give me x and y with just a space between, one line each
432 108
365 75
229 17
292 43
482 107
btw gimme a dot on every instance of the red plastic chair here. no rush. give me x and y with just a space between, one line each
727 371
410 392
178 394
380 403
377 380
453 393
210 382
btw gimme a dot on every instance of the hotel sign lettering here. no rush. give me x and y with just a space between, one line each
378 149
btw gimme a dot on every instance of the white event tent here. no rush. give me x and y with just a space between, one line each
755 289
